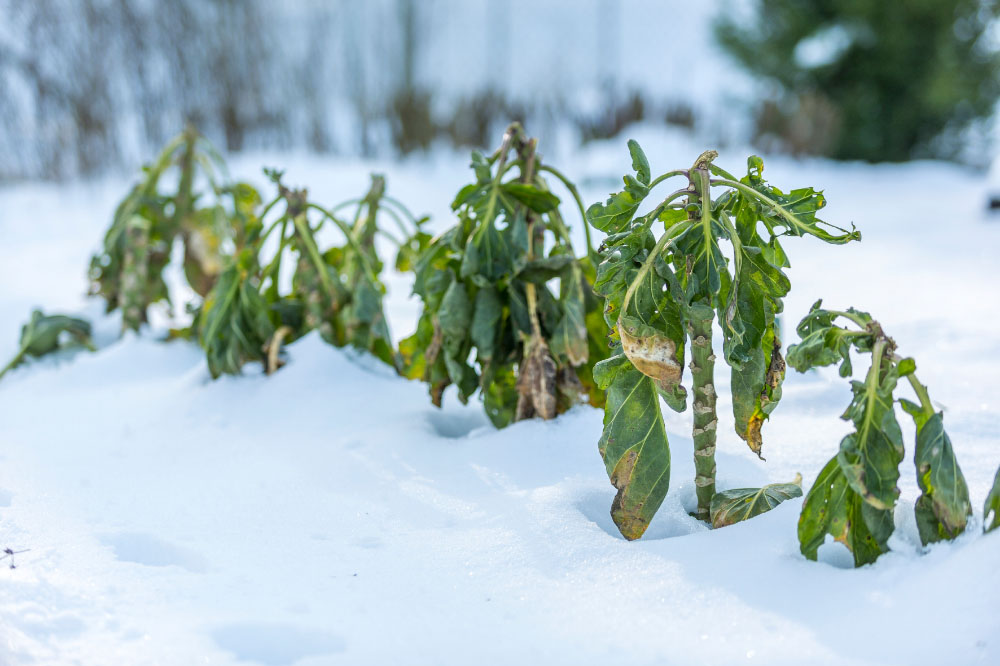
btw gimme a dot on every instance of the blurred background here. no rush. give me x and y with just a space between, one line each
88 86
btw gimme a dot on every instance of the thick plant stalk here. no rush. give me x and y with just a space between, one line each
182 206
705 419
135 273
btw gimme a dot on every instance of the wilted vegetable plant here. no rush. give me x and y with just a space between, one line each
45 334
249 315
854 495
493 320
664 293
180 198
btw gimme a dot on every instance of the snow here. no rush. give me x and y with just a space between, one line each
330 515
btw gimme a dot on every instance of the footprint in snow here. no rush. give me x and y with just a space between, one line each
153 552
454 424
669 522
275 644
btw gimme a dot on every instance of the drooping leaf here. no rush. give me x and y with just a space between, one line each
757 389
733 506
634 444
488 256
538 200
799 207
569 338
455 316
486 318
870 456
991 508
750 342
234 324
203 258
540 271
943 506
831 507
500 394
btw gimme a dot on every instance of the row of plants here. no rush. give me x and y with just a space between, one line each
514 314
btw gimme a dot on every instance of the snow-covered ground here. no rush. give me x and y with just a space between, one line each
330 515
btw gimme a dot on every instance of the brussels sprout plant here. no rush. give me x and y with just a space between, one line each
663 291
508 306
248 315
180 198
854 495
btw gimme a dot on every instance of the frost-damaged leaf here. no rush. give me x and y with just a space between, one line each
652 354
652 332
202 250
634 444
754 400
992 506
733 506
536 382
943 507
751 345
831 507
615 214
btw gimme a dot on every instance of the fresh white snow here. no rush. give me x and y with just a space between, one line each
330 515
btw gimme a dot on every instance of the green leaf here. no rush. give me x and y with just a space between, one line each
992 506
538 200
823 343
943 506
750 342
756 389
800 207
870 456
485 322
234 320
732 506
700 249
455 316
831 507
500 394
634 444
488 256
45 334
639 162
569 339
617 212
542 270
